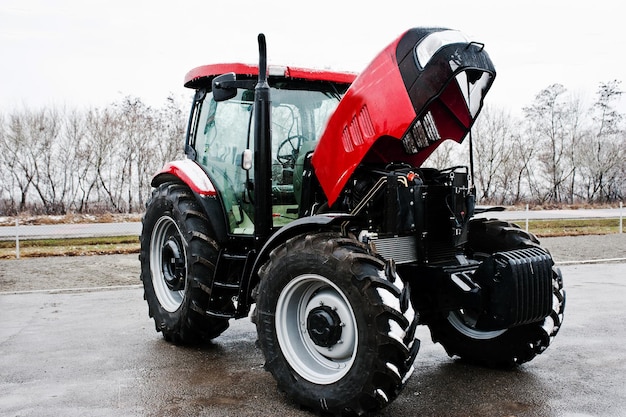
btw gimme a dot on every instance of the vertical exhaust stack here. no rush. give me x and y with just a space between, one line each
263 150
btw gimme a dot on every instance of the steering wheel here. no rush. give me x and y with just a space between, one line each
288 149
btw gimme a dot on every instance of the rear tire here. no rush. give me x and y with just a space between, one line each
178 257
506 347
337 334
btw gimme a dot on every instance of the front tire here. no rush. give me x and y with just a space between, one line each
498 348
178 257
337 334
456 330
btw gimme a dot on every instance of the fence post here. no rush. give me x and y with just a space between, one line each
527 217
621 217
17 238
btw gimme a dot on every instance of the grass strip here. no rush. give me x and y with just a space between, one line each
104 245
130 244
571 227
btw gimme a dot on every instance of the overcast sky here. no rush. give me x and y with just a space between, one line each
82 53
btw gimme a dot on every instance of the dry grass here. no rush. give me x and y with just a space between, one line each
70 247
573 227
70 251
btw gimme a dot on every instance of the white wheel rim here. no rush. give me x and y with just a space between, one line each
164 229
315 363
463 323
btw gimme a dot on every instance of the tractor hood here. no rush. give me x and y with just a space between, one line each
426 87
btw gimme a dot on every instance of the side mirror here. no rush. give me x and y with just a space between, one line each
223 87
246 159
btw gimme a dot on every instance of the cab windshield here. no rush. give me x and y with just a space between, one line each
224 130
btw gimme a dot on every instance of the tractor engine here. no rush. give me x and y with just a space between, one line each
411 214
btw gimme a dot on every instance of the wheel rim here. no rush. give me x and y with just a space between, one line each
316 329
167 264
465 323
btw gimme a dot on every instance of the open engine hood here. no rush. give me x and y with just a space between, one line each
425 87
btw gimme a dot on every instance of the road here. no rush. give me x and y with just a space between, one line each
134 228
70 230
95 353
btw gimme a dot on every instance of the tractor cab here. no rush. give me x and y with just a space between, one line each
220 137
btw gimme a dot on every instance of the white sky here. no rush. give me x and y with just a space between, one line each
81 52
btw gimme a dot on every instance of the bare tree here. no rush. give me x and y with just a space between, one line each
172 127
103 132
7 179
139 134
603 154
46 153
493 136
15 144
553 121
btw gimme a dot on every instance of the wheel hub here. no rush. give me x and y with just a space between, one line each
173 265
324 326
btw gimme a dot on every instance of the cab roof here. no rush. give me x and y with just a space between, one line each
202 76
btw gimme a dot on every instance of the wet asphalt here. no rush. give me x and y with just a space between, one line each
96 353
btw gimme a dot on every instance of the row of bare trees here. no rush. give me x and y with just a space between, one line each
54 160
558 152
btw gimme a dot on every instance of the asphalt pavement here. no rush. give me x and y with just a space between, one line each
95 353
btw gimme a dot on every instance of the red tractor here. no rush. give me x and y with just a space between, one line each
303 196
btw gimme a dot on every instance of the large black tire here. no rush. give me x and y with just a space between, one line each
507 347
335 325
178 257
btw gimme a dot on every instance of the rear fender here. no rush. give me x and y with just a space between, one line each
191 174
188 172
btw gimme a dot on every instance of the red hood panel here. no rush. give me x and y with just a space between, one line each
427 86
